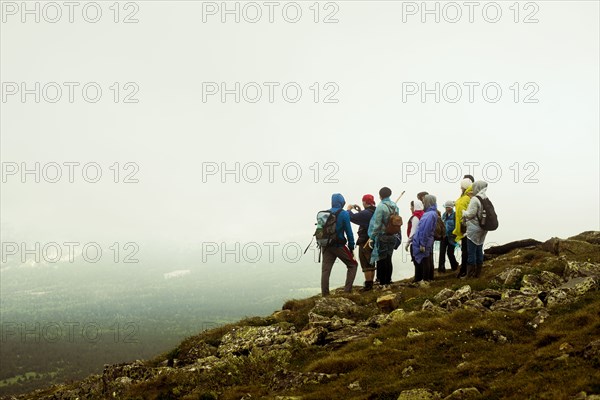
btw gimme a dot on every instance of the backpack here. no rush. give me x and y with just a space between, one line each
394 222
440 229
325 232
489 219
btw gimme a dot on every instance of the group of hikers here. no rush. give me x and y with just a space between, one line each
463 224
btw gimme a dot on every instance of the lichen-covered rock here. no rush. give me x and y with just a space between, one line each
570 291
508 277
136 371
575 269
540 318
419 394
491 293
451 304
464 394
517 303
429 306
534 284
463 294
241 341
376 320
331 324
444 294
197 351
396 315
413 332
573 248
346 335
312 336
388 303
475 304
330 306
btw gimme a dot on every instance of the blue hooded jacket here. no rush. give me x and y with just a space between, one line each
424 235
343 221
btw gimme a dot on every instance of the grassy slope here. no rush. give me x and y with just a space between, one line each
456 350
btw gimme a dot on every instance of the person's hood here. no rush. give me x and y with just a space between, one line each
468 190
337 200
418 205
479 188
429 201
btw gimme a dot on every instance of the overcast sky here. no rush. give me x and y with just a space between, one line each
536 141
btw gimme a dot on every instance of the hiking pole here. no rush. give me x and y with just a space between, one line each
399 197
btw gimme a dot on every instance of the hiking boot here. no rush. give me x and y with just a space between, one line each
478 268
471 271
368 286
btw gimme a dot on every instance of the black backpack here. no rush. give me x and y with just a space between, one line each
439 233
489 219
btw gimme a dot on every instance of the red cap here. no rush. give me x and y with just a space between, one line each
369 199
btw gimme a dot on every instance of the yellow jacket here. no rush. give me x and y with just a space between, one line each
461 205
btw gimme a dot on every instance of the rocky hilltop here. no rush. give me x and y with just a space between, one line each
529 327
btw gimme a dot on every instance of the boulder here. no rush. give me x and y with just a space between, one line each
346 335
534 284
413 332
451 304
330 306
312 336
198 351
508 277
575 269
464 394
444 294
376 320
517 303
388 303
331 324
576 247
494 294
419 394
242 340
540 318
508 247
463 294
429 306
396 315
570 291
475 304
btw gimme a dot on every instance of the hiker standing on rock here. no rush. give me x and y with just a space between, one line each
448 244
475 233
416 207
362 218
422 243
460 229
383 243
338 248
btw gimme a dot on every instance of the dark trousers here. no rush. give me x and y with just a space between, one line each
330 254
464 256
446 249
418 267
428 267
384 270
475 253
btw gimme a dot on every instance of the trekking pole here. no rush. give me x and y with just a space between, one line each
399 197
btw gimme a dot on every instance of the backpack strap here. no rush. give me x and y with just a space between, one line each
480 211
